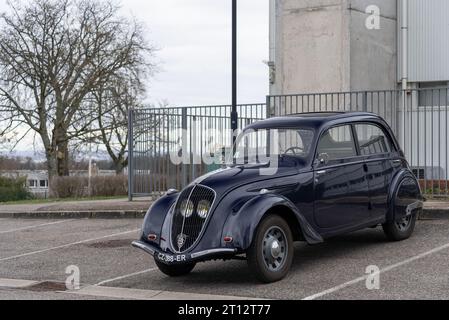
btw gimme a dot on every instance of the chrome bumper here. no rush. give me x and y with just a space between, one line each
169 259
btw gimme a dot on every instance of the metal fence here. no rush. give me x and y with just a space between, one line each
419 118
160 138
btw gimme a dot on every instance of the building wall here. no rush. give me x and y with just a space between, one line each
324 46
373 52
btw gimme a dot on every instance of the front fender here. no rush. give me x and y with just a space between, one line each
242 226
156 216
405 195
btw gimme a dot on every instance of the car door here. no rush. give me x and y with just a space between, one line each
377 148
341 189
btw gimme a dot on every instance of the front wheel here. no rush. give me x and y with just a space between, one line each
175 270
270 256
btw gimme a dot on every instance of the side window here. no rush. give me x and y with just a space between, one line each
372 140
337 143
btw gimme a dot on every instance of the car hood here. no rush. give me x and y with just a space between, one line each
223 180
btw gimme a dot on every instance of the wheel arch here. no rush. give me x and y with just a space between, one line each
405 195
289 216
242 226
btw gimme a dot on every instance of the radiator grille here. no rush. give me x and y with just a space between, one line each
187 224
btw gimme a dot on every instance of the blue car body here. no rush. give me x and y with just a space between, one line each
318 200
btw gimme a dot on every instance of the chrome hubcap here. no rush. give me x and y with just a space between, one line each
275 249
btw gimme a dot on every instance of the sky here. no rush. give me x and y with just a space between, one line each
194 37
194 56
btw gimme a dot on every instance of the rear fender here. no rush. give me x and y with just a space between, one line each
405 196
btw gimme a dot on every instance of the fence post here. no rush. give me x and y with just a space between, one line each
268 106
365 101
130 154
184 146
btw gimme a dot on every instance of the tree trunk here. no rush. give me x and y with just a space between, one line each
63 160
52 171
120 164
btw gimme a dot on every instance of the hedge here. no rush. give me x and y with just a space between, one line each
13 189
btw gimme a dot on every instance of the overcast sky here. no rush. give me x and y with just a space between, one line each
195 41
194 38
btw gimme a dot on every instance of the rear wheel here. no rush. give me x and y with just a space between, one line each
175 270
270 256
402 229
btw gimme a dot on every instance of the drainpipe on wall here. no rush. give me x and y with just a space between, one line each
404 50
272 36
272 56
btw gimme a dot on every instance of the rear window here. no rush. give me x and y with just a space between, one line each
372 140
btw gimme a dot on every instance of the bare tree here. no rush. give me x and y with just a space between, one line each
113 103
53 55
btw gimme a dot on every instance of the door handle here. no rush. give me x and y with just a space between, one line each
397 162
321 172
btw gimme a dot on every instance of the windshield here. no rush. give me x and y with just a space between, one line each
259 146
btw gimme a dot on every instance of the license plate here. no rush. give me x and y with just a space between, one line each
168 258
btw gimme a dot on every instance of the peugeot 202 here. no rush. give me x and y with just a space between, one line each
314 176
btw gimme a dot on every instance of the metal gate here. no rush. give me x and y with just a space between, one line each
419 118
157 137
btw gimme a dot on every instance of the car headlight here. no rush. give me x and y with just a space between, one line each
187 208
203 209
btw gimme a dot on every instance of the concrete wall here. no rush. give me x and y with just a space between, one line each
324 46
373 52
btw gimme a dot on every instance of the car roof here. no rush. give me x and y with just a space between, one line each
313 120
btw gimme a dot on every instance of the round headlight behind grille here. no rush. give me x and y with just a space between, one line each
187 208
203 209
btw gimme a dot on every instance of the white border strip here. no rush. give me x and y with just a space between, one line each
137 294
16 284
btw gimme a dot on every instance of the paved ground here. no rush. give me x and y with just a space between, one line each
41 250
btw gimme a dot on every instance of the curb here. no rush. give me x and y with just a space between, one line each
427 214
76 215
434 214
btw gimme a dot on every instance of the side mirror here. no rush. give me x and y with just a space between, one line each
322 160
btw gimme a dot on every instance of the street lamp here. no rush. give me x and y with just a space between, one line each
234 113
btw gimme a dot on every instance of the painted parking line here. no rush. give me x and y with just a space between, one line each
67 245
102 283
36 226
387 269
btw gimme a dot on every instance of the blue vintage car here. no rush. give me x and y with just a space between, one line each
334 173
